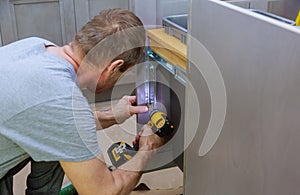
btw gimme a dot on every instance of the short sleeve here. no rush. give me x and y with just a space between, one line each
60 129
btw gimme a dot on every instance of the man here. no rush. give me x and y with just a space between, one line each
45 118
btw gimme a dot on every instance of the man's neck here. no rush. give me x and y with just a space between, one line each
66 53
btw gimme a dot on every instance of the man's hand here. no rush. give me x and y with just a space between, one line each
148 140
149 143
120 112
125 108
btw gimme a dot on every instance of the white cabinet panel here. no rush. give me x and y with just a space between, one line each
50 19
95 6
0 38
56 20
38 19
258 144
170 7
87 9
145 11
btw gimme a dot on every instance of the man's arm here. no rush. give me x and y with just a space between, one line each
93 177
120 112
104 119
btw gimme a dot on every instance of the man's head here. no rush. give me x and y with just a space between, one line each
112 42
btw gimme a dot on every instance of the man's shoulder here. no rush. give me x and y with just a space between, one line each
33 40
26 42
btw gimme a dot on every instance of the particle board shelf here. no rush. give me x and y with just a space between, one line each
168 47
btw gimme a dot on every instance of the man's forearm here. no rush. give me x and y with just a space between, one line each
104 119
128 175
93 177
126 181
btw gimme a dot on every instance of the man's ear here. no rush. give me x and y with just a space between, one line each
115 65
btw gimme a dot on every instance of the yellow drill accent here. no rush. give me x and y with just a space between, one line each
298 19
117 157
117 150
158 119
128 157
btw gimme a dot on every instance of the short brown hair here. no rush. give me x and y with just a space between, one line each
110 32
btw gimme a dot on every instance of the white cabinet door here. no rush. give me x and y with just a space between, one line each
0 37
86 9
56 20
50 19
256 150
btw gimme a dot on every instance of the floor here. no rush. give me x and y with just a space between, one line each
162 182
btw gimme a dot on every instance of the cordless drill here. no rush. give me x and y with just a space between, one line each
121 152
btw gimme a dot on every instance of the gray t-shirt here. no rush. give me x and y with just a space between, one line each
43 113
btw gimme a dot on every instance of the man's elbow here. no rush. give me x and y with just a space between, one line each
122 185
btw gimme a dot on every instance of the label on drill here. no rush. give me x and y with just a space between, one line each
119 153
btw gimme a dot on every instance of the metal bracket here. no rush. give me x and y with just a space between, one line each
179 73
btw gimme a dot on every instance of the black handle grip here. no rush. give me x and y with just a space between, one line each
136 146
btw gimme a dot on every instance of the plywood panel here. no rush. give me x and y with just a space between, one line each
168 47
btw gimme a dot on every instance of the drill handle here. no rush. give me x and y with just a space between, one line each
136 146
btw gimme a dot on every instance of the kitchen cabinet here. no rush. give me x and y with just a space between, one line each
283 8
161 79
244 69
86 9
170 7
50 19
0 38
59 20
56 20
152 12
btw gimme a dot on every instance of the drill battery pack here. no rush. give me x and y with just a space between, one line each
120 152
